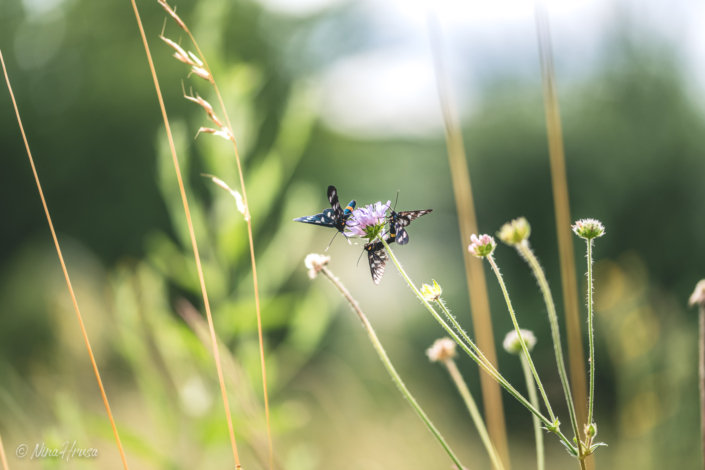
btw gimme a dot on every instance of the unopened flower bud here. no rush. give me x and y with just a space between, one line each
591 430
482 246
442 349
588 228
698 296
314 263
514 232
431 293
512 343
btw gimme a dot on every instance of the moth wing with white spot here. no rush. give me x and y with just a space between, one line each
325 219
406 217
334 203
378 261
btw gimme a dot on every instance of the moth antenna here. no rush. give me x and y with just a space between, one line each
358 259
395 202
331 242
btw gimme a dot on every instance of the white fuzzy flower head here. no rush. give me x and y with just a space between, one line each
431 293
482 246
442 349
514 232
314 263
588 228
512 344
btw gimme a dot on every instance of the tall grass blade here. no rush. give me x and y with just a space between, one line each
477 284
216 353
66 273
561 202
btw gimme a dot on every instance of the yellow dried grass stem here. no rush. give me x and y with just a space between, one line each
66 273
563 220
475 274
248 218
3 458
216 354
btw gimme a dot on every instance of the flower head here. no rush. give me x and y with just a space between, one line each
442 349
514 232
512 344
431 293
482 246
368 221
314 263
588 228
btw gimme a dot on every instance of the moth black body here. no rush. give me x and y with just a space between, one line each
399 220
378 257
335 217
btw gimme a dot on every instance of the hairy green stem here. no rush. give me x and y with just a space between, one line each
495 268
591 400
534 397
528 255
475 413
390 368
502 381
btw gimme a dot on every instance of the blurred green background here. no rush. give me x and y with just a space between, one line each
634 129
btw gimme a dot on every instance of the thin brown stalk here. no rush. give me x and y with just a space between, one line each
698 298
66 273
216 353
563 220
248 218
475 274
3 458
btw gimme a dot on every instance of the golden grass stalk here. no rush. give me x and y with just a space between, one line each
561 203
66 275
3 458
216 353
475 274
248 217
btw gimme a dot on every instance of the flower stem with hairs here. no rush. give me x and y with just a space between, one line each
474 412
388 364
533 396
550 425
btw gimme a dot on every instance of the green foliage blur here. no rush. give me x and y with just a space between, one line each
634 149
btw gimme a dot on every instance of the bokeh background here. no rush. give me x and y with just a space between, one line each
340 92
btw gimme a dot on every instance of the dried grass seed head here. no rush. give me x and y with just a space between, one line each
180 53
173 14
224 133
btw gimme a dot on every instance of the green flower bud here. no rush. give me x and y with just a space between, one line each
588 228
514 232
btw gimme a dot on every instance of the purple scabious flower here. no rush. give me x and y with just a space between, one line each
368 221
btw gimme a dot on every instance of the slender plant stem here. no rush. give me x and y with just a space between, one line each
66 273
474 413
559 183
467 221
525 251
3 458
184 200
702 378
248 219
534 397
390 368
591 401
495 268
502 381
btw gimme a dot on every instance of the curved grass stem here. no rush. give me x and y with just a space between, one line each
66 275
390 368
192 234
495 268
474 413
525 252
